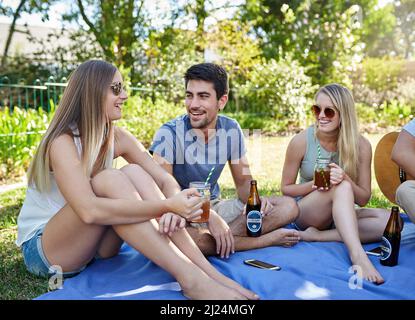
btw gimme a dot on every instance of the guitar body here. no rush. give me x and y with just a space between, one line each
388 172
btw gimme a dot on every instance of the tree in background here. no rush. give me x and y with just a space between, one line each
322 35
24 6
405 16
378 29
165 57
116 25
233 47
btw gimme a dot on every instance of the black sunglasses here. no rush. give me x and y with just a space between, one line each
116 88
328 112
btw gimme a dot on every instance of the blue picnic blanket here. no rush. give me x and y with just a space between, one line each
309 270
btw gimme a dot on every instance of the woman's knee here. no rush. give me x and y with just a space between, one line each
134 170
344 187
106 180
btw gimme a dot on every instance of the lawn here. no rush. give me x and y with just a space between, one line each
266 157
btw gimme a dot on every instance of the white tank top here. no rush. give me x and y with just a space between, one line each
38 208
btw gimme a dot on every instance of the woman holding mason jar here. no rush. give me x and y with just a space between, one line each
334 162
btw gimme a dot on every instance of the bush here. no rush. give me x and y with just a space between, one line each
279 89
388 114
381 74
143 117
263 122
20 132
393 107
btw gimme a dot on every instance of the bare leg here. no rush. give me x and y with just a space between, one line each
272 234
149 190
285 211
338 202
72 241
371 223
279 237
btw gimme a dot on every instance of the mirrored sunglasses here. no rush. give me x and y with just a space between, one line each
328 112
116 88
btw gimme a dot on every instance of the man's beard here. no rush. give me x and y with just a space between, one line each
200 124
204 123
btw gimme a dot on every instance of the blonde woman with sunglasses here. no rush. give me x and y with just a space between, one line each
329 213
78 208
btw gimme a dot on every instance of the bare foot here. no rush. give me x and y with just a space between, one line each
236 286
205 288
369 272
283 237
310 234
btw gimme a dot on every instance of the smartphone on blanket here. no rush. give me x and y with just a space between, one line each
375 252
261 264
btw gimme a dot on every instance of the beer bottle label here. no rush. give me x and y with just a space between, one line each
254 220
386 249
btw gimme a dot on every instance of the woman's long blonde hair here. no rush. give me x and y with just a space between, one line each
348 136
82 104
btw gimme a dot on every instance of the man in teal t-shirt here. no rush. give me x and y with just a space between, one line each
189 146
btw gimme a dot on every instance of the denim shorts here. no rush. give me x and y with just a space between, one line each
35 259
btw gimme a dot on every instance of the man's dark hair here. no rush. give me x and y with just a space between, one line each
209 72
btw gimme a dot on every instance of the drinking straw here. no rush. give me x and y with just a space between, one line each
209 175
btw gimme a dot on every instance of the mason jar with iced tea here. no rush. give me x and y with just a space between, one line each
322 173
204 190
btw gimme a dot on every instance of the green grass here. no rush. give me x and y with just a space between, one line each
15 281
266 157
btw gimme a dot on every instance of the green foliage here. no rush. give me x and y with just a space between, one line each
234 49
116 26
16 147
381 74
280 89
389 114
404 11
15 281
20 68
321 35
384 88
258 121
378 28
143 117
159 67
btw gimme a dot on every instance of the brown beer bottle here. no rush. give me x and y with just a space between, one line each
253 212
391 239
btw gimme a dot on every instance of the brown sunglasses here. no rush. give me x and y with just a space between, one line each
328 112
116 88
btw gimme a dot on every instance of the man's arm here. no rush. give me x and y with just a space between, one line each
242 177
403 152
